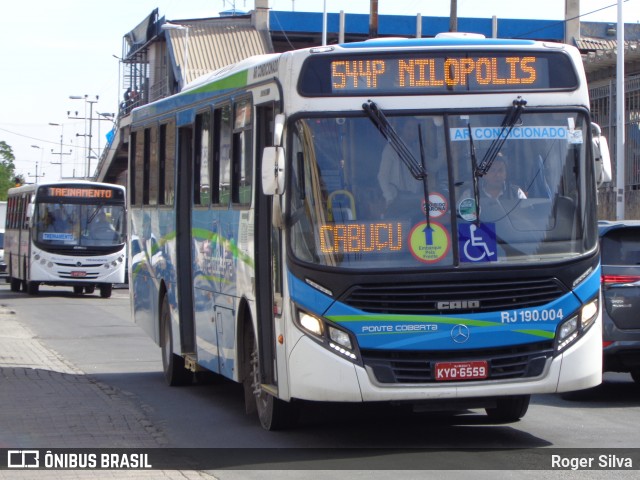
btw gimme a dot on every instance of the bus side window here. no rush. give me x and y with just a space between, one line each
224 154
146 166
242 168
202 160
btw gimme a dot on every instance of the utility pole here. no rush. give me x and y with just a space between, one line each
373 19
90 134
61 153
453 16
620 119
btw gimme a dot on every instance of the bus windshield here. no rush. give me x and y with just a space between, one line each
78 225
511 195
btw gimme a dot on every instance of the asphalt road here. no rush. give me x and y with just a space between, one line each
83 356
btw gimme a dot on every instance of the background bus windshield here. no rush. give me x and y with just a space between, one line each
355 204
69 224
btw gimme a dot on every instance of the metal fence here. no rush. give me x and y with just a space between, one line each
603 112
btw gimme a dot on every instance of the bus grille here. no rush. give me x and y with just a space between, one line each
423 298
520 361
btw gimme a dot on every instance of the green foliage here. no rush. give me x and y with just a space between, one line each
7 170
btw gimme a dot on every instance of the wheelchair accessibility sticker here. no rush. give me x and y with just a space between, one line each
477 243
429 244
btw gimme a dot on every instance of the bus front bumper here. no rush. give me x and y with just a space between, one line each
317 374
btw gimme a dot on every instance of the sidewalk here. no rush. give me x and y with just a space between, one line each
47 403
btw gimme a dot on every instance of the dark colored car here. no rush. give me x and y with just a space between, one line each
620 254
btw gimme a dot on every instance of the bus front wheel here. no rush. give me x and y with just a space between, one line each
173 365
274 414
33 288
105 290
15 284
509 409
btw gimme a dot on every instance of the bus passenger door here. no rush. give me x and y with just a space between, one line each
268 259
184 242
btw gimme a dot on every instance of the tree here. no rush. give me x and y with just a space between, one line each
8 176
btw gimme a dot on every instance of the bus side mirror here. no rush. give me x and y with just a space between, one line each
601 155
29 215
273 171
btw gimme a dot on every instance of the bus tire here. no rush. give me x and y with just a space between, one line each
105 290
78 290
509 409
15 284
273 413
89 289
33 288
173 367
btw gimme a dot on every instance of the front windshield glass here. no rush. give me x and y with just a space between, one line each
355 204
71 225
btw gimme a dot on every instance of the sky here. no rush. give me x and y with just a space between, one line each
54 49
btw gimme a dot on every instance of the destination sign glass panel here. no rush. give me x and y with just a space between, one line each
70 193
419 73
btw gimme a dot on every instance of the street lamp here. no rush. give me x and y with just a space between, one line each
185 28
90 102
60 152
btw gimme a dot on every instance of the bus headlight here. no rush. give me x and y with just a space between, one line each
588 314
327 334
311 323
340 337
567 333
577 325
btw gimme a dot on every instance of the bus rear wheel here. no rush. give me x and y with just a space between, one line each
173 365
78 290
274 414
105 290
15 284
509 409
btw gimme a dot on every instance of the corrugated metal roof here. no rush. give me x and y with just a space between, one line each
600 53
215 43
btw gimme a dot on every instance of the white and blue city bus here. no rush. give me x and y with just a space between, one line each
68 233
321 225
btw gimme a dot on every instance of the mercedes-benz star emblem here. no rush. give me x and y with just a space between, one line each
460 333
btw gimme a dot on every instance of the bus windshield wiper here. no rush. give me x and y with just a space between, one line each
511 118
474 165
94 213
417 168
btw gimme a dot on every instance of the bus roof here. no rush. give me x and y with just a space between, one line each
448 41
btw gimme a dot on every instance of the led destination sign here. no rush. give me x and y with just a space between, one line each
74 193
361 238
80 192
437 72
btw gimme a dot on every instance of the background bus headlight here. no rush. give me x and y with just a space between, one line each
328 335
